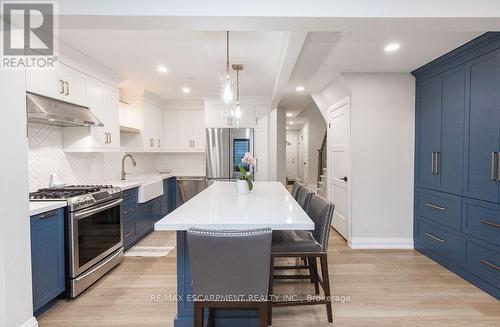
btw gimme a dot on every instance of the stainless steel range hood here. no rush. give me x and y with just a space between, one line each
50 111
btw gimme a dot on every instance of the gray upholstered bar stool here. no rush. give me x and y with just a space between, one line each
295 189
306 244
226 264
304 197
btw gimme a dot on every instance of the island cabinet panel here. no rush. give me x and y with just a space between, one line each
457 161
168 200
47 257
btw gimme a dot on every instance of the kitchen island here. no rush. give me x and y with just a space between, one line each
220 206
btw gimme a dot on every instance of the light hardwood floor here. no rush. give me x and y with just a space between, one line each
386 288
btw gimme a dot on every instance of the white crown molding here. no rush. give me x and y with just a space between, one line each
32 322
142 95
78 60
244 100
359 243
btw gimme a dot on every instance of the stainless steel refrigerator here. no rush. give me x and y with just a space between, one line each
225 149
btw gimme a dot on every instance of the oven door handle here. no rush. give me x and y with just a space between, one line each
86 213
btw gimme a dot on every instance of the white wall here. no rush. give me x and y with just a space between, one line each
15 254
382 157
315 135
281 145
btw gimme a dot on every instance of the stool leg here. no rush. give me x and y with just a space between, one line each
326 289
198 314
316 276
270 289
263 314
311 270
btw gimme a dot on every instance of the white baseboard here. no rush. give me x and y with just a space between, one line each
32 322
380 243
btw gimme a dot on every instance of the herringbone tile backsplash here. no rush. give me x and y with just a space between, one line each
46 156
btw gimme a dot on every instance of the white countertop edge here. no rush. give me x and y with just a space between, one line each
44 206
166 226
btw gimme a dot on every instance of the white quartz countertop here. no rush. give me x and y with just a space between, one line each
220 206
44 206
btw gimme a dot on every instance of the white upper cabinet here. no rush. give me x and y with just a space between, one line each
63 83
103 102
76 86
184 130
152 129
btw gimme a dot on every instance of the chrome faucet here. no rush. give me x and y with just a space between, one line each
123 164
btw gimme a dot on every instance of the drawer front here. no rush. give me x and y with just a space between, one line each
129 234
439 239
440 207
482 220
130 193
484 260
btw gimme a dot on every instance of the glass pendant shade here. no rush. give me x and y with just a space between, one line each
227 90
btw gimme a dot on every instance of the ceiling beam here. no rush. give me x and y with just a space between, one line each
289 56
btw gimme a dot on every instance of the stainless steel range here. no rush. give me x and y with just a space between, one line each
94 231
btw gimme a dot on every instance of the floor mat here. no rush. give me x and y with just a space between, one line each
156 244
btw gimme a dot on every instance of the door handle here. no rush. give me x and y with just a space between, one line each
343 178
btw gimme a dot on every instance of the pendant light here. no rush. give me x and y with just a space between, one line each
227 83
237 111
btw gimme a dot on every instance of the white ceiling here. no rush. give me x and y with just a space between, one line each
194 59
326 54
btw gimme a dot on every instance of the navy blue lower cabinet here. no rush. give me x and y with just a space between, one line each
47 257
130 216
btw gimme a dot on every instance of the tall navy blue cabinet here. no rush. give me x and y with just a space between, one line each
457 161
47 257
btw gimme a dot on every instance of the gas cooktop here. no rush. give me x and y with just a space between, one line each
78 196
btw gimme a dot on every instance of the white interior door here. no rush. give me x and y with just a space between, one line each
338 165
291 156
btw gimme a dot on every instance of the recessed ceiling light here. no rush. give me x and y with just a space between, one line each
391 47
299 88
162 69
291 122
289 115
186 90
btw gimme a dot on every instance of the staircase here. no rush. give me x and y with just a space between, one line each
321 187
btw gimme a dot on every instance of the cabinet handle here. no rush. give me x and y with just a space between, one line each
436 162
435 238
48 215
62 87
127 235
498 165
151 142
67 88
110 138
432 163
128 211
433 206
490 223
106 138
193 143
493 164
489 264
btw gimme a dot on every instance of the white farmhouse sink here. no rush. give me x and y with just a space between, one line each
150 190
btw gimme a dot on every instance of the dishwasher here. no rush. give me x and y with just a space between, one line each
188 187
